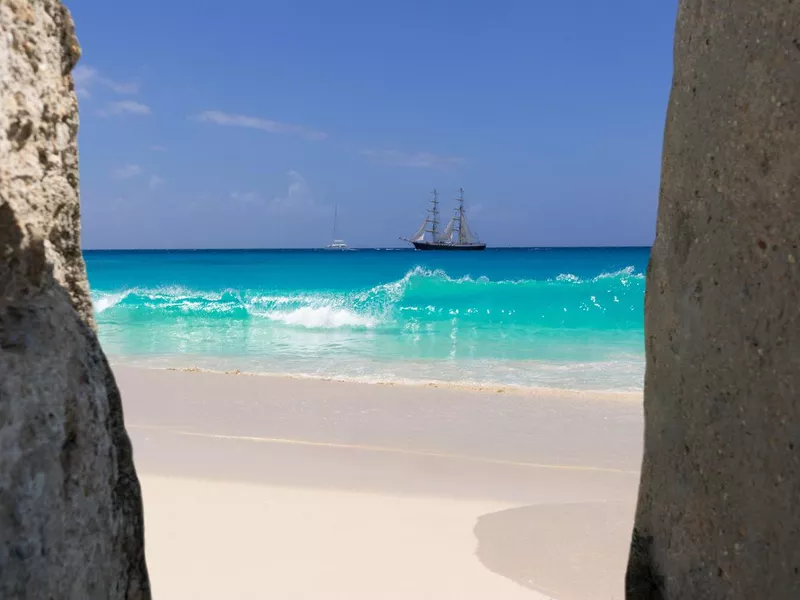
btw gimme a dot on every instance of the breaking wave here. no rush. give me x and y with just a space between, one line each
422 297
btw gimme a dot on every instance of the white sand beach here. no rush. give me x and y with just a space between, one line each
265 487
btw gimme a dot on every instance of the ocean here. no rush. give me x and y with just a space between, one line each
532 318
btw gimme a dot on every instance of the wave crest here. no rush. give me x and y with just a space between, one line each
324 317
421 296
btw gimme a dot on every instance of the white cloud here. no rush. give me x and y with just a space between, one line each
246 197
83 77
86 77
157 148
126 171
297 200
125 107
220 118
298 196
421 160
123 87
155 182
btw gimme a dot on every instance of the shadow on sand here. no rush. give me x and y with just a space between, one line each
568 551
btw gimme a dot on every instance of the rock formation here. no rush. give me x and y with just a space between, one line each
719 500
70 506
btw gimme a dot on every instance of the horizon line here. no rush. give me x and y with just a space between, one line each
305 249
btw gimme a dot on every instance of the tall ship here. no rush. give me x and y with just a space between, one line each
456 235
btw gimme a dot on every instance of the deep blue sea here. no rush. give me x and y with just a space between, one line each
537 318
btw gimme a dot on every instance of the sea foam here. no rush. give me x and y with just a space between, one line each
421 294
520 318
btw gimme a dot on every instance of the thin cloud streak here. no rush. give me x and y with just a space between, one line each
225 119
417 160
125 107
86 77
126 171
246 197
82 77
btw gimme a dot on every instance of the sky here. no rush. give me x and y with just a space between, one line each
243 124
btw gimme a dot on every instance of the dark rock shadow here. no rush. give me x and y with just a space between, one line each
568 551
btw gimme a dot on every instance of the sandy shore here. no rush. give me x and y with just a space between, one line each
263 487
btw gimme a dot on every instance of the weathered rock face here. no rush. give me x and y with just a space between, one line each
70 505
719 502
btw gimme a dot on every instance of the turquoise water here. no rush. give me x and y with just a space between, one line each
542 318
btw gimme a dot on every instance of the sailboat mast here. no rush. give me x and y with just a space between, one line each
335 215
434 210
460 215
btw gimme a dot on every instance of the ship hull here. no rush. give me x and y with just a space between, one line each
448 247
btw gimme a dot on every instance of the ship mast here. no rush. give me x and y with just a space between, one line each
434 219
460 213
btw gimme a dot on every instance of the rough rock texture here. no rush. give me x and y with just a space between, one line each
70 505
719 501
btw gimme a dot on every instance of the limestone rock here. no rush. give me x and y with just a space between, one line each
70 506
719 501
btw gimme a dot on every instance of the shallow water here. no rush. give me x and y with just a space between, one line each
551 318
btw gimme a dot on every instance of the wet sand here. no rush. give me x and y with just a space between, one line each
285 488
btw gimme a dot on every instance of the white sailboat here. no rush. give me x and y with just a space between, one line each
336 244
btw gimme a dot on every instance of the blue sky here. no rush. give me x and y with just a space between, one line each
242 124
